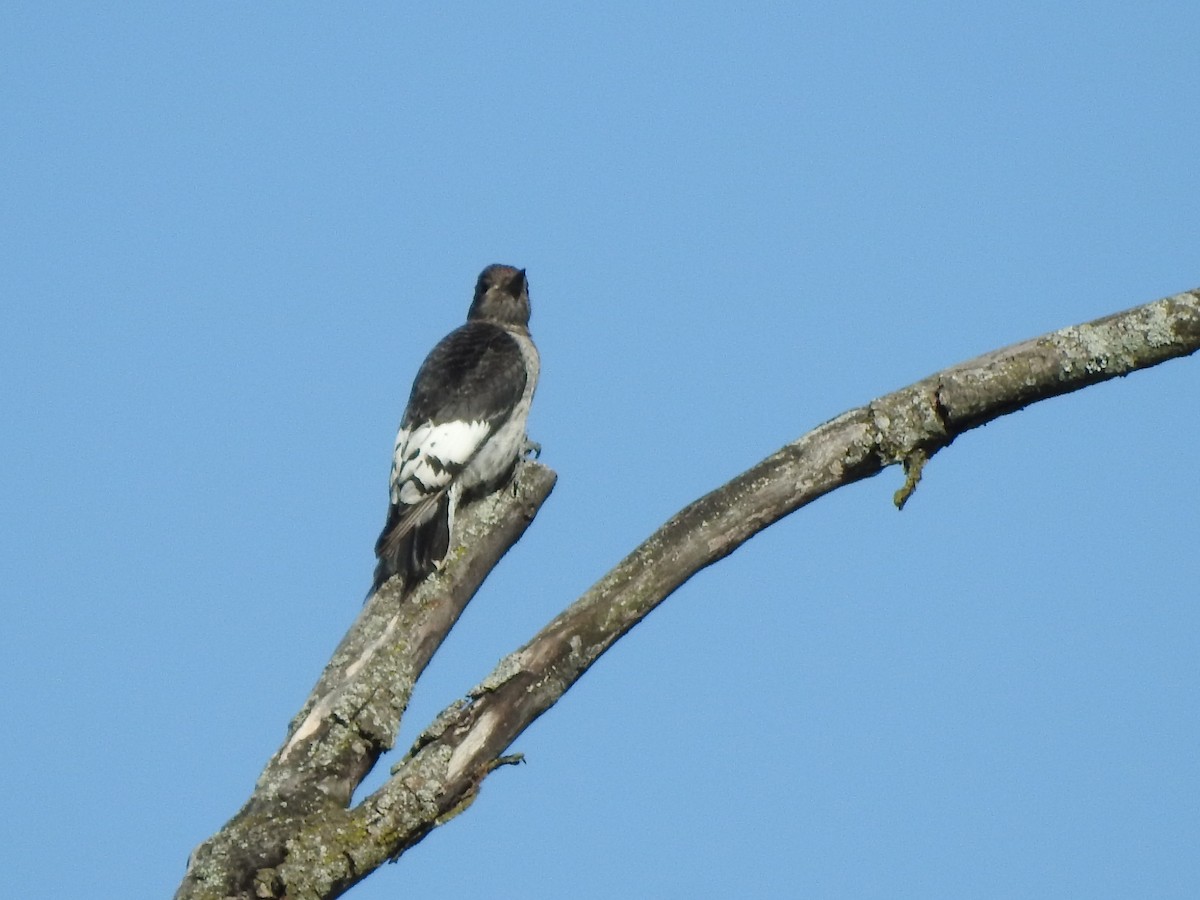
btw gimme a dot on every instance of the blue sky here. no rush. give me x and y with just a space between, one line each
231 232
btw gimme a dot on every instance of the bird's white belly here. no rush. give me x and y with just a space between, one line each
499 452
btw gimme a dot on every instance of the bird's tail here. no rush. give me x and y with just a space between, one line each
414 540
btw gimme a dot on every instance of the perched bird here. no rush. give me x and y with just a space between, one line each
464 428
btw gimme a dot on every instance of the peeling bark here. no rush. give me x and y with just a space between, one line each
348 721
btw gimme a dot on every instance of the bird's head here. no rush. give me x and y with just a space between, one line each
501 296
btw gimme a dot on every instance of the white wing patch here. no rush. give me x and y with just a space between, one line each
428 456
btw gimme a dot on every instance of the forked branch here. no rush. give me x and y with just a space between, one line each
331 847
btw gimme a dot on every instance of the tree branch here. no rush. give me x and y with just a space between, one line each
336 847
354 711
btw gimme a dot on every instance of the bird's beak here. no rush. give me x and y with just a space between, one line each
517 283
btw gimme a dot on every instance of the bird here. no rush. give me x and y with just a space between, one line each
464 428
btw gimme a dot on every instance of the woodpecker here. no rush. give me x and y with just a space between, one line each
464 428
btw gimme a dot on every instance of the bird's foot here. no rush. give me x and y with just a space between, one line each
531 449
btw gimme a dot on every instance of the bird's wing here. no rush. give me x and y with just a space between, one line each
465 390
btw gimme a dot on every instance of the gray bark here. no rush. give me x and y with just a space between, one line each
297 836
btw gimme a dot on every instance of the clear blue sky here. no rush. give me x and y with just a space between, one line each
230 232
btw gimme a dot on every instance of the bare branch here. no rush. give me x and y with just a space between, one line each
354 711
336 847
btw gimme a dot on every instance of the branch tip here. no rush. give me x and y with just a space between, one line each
914 463
513 759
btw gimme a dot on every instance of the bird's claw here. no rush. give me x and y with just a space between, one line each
531 449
